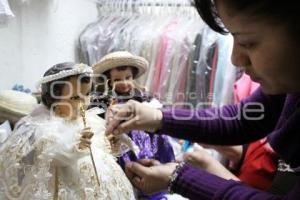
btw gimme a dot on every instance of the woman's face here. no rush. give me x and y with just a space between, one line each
74 95
265 49
121 80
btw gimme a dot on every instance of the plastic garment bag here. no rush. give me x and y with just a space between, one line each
5 12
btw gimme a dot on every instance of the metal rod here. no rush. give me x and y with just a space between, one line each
55 197
82 112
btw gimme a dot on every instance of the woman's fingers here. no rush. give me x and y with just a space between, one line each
136 169
149 162
126 126
118 114
133 116
149 176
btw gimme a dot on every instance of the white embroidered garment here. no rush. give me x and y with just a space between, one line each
40 161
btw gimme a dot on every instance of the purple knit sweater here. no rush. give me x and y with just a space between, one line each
280 122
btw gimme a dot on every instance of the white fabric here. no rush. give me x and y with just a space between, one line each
175 197
43 149
154 103
17 102
5 11
5 131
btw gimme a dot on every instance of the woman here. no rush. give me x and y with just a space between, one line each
48 154
266 44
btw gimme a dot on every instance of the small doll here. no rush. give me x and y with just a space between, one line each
48 154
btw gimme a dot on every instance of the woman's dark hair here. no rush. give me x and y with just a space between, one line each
286 12
49 91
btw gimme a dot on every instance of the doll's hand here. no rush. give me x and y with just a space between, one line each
113 140
133 115
115 144
85 139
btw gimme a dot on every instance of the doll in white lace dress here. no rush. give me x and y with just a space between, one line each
50 153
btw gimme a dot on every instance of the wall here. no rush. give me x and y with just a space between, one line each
43 33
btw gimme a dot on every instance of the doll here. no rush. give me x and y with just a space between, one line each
117 72
48 154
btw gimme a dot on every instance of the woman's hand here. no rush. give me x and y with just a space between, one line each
201 159
122 118
150 176
233 153
85 139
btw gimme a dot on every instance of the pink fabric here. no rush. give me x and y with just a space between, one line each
158 66
244 87
161 62
180 89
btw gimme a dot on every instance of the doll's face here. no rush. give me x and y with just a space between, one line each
121 80
75 94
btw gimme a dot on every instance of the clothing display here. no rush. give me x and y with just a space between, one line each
207 61
185 64
225 76
162 40
41 160
280 121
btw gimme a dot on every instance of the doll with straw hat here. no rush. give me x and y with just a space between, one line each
120 69
117 72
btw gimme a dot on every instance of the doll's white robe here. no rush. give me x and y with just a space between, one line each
41 160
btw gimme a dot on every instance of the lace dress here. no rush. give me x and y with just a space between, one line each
41 160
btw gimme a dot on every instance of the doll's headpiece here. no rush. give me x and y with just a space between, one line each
77 69
121 58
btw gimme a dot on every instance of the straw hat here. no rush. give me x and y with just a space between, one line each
15 104
121 58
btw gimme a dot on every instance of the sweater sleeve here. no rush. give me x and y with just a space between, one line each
195 183
250 120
